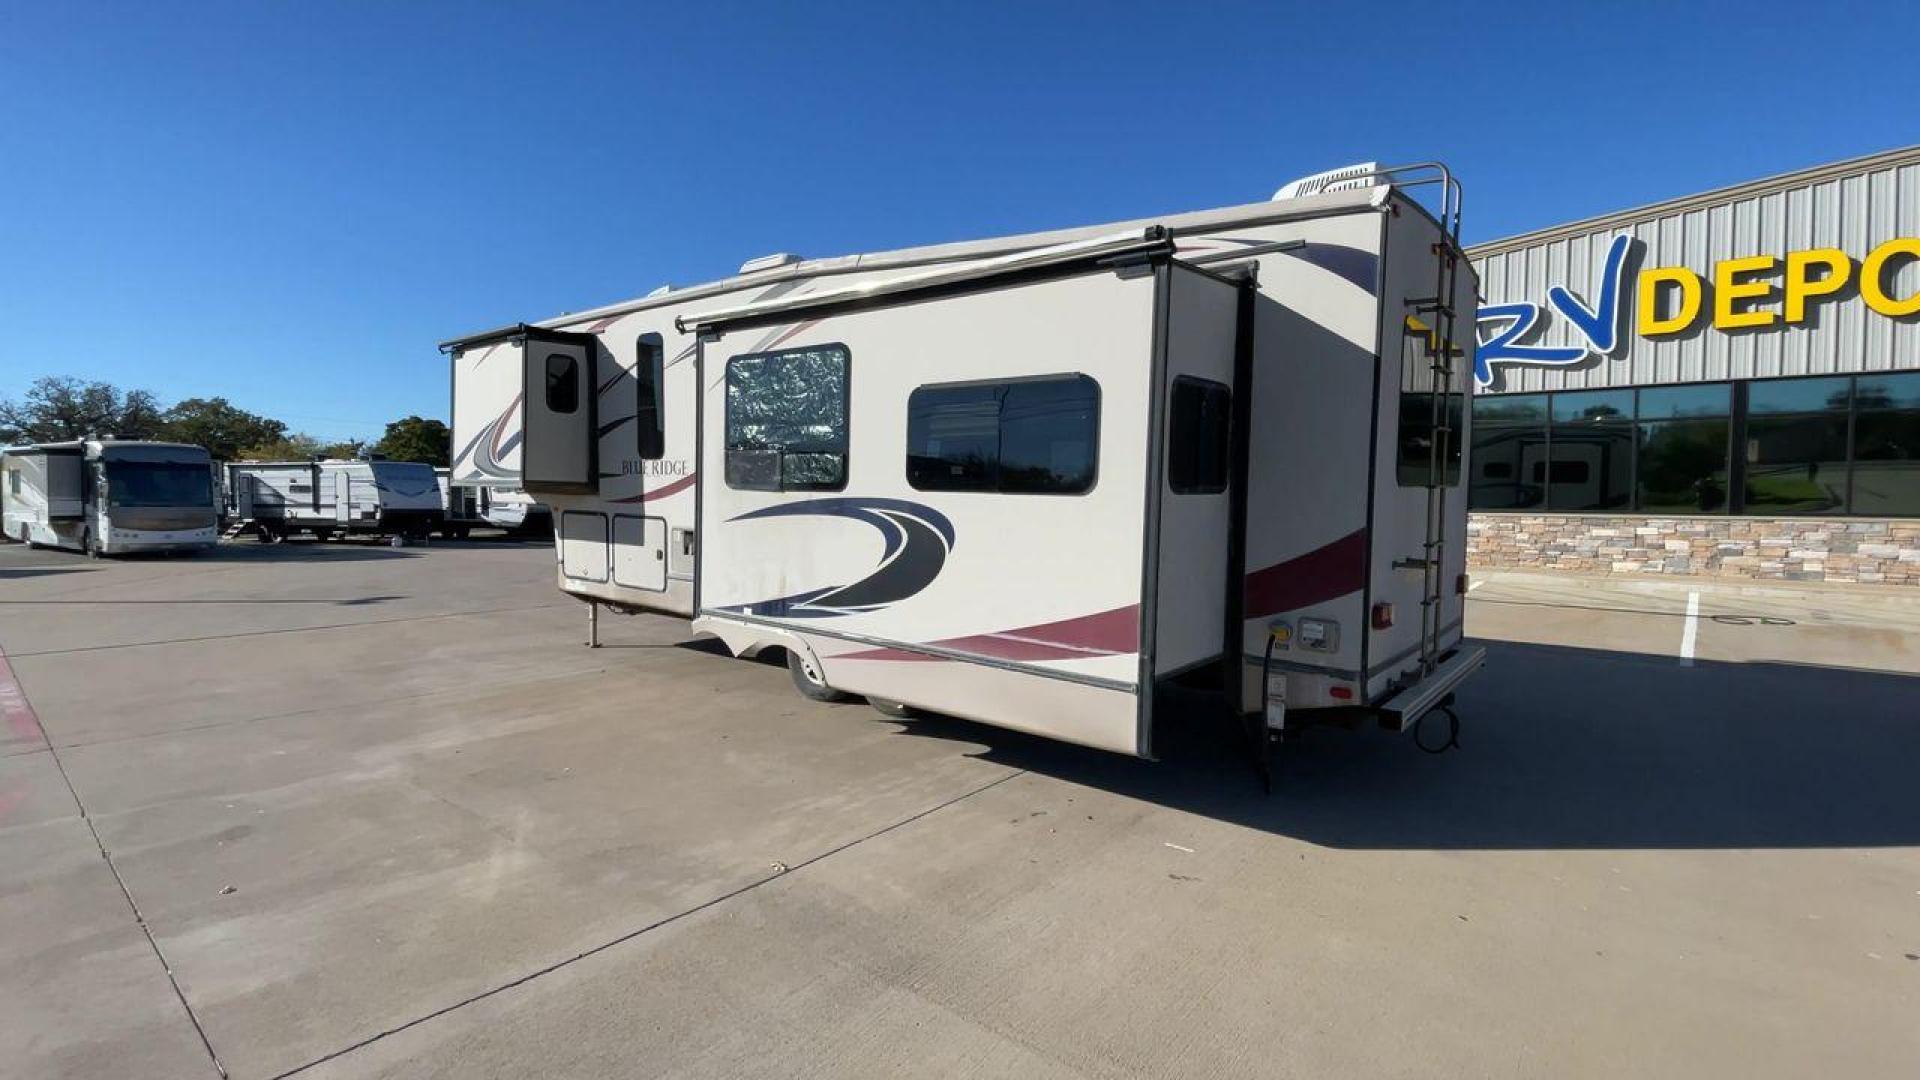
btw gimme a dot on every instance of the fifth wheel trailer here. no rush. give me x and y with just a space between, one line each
108 496
1029 480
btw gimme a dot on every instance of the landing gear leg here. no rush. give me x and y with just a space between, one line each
593 624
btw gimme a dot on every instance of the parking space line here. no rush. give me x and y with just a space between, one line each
20 714
1692 632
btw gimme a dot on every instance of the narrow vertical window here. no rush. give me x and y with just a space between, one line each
563 383
648 380
1198 427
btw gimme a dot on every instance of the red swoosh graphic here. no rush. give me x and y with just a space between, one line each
1322 574
1326 572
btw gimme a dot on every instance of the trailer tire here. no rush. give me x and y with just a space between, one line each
809 688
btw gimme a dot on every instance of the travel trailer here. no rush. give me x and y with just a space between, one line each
462 506
472 506
1029 481
334 497
109 497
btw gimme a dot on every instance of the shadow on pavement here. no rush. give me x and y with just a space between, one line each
1560 748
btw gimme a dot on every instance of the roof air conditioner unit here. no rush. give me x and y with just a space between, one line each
1345 178
769 262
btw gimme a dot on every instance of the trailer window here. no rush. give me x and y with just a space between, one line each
647 383
1036 436
563 383
1197 436
1417 435
787 420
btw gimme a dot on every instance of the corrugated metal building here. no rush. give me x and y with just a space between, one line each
1723 383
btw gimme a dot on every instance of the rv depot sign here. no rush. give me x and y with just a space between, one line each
1750 293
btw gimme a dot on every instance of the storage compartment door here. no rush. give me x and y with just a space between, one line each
66 492
640 552
583 546
560 443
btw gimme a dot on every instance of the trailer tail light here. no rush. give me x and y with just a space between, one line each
1341 693
1382 616
1461 584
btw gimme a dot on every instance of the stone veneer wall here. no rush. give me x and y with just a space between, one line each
1797 549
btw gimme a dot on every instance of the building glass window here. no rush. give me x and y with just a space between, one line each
1030 436
1822 445
1682 447
1591 451
1509 452
1675 402
1886 445
1198 427
1683 467
787 420
649 429
1794 458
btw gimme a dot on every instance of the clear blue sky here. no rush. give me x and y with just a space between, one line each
288 204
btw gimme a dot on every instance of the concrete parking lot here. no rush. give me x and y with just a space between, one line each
342 811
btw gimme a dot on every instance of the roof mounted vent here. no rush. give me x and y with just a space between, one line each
1345 178
769 262
662 290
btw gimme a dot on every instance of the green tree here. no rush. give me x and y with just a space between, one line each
294 447
57 409
220 426
350 448
415 439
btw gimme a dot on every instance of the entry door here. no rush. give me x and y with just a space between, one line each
560 414
1195 472
342 497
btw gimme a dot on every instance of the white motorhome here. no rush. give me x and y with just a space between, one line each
1027 481
109 497
334 497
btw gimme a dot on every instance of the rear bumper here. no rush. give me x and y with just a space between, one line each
1409 704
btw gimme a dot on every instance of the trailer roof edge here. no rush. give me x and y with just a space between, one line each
1153 240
